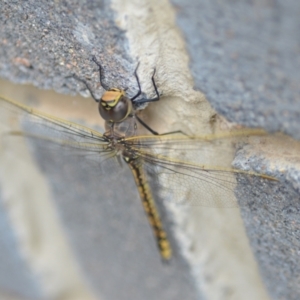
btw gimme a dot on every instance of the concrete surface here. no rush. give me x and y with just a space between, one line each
16 277
245 59
244 56
79 242
272 221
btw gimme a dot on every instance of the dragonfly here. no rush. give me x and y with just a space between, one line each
153 157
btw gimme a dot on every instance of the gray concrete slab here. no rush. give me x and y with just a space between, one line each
16 276
245 58
43 42
271 214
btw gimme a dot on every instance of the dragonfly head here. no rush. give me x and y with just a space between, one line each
114 106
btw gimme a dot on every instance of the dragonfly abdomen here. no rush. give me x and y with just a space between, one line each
151 209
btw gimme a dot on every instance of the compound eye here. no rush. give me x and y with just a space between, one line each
117 113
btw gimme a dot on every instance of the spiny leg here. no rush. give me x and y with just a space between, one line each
155 132
145 100
138 82
146 126
100 73
86 85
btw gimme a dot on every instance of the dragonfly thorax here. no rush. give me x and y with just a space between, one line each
129 156
114 106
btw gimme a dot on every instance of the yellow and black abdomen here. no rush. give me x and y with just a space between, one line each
150 208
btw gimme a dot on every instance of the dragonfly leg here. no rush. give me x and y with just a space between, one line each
175 132
86 85
138 82
145 100
100 73
155 132
146 126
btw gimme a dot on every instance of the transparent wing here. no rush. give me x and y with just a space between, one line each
186 170
21 120
195 171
